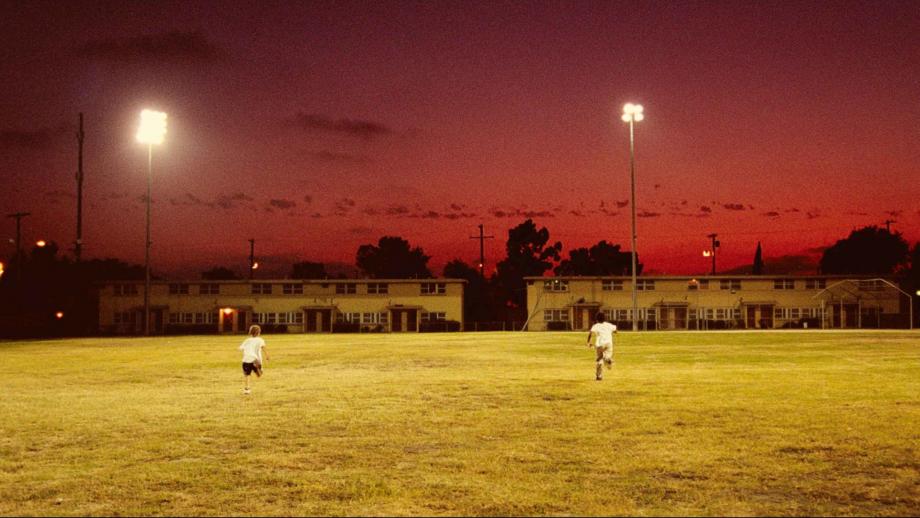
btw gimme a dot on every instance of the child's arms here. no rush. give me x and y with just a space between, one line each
590 334
264 353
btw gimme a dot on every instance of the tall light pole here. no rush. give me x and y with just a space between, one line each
632 113
151 131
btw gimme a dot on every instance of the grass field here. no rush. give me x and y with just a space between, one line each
783 423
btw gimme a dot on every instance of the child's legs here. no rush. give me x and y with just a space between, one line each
599 361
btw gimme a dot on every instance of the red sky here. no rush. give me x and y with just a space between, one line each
317 128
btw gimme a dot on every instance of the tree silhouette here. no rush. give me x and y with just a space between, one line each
219 273
528 256
869 250
308 270
757 267
477 301
601 259
393 258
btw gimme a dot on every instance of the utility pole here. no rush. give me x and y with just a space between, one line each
888 223
252 257
715 244
78 244
482 254
19 216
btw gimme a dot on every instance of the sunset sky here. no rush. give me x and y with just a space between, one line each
317 127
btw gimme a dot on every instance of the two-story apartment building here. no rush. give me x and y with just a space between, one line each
296 306
716 302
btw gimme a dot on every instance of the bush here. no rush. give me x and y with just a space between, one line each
557 326
439 326
346 327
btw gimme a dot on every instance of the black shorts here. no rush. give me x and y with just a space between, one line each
249 368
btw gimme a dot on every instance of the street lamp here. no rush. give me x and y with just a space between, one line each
151 131
632 113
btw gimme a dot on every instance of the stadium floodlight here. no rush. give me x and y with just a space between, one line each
632 113
151 131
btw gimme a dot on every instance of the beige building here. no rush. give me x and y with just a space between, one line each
295 306
717 302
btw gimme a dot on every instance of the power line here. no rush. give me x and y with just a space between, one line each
482 255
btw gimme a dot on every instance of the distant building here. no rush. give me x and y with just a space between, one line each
717 302
293 306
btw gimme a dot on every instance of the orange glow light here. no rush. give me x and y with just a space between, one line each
255 266
706 253
227 311
59 315
40 243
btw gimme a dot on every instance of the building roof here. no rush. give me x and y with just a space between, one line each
764 277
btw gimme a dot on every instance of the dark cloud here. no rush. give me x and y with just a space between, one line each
857 213
518 213
771 214
282 204
454 206
339 158
793 209
812 214
343 207
225 202
38 139
620 205
648 214
578 214
366 130
370 211
733 206
894 213
167 47
458 215
705 209
396 210
308 199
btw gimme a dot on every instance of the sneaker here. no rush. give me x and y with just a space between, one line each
598 378
608 363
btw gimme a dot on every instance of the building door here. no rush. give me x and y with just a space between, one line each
851 312
226 321
766 317
751 321
579 318
680 318
311 320
404 320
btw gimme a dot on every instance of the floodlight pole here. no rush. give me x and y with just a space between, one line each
147 247
632 183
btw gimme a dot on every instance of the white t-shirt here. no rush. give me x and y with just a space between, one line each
252 349
604 332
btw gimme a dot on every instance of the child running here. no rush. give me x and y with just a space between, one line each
252 348
602 332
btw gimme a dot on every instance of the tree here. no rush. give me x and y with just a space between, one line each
308 270
528 256
757 267
393 258
869 250
478 305
219 273
601 259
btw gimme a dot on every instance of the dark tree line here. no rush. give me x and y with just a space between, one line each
36 286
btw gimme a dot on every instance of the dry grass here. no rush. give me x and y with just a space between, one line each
473 424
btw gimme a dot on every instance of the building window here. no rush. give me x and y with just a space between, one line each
125 289
556 315
434 288
378 288
346 288
261 289
178 289
611 285
815 284
348 317
871 285
209 289
432 316
292 289
123 317
555 285
730 284
783 284
645 285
